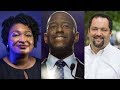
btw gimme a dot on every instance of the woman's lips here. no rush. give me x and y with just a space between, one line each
23 46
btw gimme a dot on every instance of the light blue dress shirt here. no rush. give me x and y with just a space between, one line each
67 72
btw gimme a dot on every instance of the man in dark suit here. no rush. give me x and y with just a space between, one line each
61 35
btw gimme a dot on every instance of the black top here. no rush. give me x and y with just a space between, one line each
8 72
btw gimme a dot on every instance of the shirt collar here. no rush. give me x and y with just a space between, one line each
52 60
107 47
101 51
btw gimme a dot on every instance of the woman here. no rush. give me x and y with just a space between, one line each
20 36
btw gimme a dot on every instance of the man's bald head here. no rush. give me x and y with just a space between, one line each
62 15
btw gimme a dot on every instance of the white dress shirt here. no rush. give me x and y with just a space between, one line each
51 67
103 65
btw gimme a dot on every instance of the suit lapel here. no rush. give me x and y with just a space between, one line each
79 69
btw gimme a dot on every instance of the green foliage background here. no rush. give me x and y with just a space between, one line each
114 15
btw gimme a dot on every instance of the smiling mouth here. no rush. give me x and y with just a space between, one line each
59 38
22 46
98 37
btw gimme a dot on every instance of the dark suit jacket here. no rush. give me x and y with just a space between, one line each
79 71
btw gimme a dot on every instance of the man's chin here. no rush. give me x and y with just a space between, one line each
98 45
58 48
22 52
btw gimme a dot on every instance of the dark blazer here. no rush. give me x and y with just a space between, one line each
79 72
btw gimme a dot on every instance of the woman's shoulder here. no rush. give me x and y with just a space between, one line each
3 64
1 61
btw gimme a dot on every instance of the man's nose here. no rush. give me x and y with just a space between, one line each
99 33
59 29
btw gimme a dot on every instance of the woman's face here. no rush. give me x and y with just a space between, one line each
20 39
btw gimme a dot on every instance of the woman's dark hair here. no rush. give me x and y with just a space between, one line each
20 18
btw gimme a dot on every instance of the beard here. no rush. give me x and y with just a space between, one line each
61 49
61 52
98 45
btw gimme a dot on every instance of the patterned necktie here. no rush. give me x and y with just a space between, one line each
60 70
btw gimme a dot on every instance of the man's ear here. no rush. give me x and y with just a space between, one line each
45 38
88 31
110 32
76 37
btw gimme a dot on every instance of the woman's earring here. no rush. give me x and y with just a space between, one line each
7 46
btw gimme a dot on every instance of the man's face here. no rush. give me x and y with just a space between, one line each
61 31
99 32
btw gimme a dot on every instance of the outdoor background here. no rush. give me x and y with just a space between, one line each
115 16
